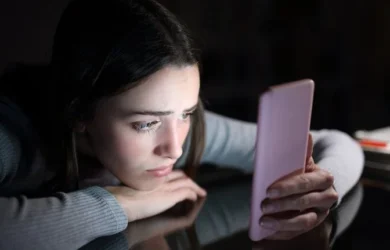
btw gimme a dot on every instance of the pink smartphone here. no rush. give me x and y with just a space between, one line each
282 135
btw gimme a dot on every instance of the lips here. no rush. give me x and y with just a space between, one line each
161 171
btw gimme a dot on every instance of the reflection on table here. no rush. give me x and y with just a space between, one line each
221 222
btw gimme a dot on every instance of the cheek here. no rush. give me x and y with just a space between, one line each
119 146
130 146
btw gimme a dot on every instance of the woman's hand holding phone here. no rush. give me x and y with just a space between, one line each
299 203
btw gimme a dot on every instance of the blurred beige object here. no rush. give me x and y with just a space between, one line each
377 140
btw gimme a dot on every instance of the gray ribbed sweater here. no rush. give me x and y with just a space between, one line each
70 220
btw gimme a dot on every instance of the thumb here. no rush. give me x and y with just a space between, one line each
309 150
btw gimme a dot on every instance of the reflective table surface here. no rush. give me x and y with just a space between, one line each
221 222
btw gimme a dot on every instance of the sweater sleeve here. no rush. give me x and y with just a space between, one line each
230 142
61 221
340 155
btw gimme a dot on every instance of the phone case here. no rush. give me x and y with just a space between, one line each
282 136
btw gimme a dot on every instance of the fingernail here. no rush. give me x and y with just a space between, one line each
273 193
269 208
269 223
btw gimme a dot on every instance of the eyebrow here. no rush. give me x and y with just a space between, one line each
158 113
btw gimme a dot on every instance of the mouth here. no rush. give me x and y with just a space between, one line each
160 171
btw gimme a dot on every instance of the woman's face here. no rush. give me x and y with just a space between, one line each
144 128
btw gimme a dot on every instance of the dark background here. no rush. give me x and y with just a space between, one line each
249 45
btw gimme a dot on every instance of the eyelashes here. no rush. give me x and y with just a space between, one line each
185 116
141 127
146 127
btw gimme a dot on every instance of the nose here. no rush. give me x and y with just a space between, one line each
170 145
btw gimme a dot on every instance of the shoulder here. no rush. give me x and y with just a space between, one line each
17 147
10 153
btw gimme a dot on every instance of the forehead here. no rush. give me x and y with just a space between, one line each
171 88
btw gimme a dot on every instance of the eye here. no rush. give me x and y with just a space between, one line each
186 116
145 126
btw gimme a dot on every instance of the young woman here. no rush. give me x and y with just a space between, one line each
92 144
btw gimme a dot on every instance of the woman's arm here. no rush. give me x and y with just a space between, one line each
340 155
61 221
230 142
